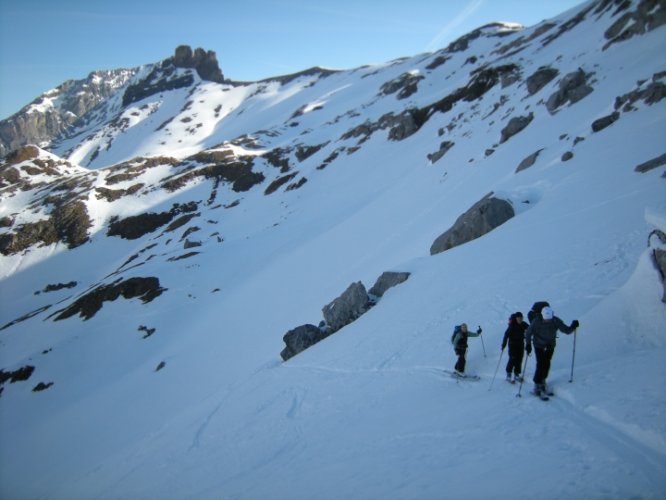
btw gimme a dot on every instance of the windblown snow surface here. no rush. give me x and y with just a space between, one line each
367 413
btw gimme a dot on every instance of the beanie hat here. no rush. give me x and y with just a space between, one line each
547 313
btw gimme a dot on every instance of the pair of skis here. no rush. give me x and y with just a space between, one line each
543 396
463 376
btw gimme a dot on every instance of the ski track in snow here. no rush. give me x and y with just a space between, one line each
622 445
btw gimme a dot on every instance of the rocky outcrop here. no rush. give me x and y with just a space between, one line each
68 223
572 88
136 226
515 125
347 307
651 164
87 305
605 121
204 62
387 280
54 112
443 149
648 15
540 78
405 85
165 77
528 161
650 93
410 121
300 338
484 216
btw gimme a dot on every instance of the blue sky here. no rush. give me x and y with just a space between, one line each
46 42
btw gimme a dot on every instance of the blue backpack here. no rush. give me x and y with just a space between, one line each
456 329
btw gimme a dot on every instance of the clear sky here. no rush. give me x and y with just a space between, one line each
46 42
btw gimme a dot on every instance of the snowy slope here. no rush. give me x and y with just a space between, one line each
368 412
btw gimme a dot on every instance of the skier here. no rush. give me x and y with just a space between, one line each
515 338
459 341
542 333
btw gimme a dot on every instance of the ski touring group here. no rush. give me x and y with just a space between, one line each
539 334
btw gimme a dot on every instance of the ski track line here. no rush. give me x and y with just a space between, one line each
648 461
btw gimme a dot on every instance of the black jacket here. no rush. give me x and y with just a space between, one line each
515 334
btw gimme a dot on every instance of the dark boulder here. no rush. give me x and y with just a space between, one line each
515 125
651 164
204 62
605 121
572 88
484 216
87 305
347 307
529 161
540 78
388 280
300 338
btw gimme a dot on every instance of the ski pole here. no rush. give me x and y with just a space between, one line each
496 370
522 379
482 343
573 356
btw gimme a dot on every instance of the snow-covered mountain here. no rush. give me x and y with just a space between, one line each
155 256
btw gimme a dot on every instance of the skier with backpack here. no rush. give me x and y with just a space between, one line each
514 337
542 333
459 341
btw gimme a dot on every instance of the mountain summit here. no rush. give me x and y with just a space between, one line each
55 114
217 289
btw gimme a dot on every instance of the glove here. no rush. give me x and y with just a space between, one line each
528 349
479 331
575 324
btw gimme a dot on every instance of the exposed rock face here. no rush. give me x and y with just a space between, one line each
386 281
55 111
515 125
443 149
165 77
136 226
406 85
205 62
529 161
347 307
540 78
651 164
411 120
300 338
605 121
649 14
487 214
87 306
68 223
572 88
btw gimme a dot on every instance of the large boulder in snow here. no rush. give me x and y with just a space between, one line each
347 307
300 338
572 88
484 216
515 125
540 78
387 280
